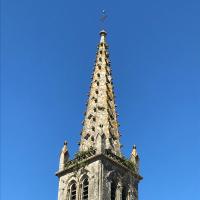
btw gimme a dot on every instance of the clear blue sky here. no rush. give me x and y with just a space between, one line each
48 49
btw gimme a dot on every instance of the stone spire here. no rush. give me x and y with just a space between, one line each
101 116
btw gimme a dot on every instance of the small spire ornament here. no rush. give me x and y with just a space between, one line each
103 16
64 156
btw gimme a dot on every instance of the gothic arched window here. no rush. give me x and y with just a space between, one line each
124 193
85 189
72 191
113 190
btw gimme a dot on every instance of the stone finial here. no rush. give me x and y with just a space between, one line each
134 151
135 158
65 149
65 143
64 156
103 36
134 155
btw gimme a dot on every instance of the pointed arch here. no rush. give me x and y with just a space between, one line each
85 191
72 190
113 190
124 193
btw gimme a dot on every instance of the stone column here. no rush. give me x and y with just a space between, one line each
79 191
119 191
92 188
129 195
107 193
100 197
60 190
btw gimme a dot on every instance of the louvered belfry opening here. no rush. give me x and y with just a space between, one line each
85 189
73 192
113 190
124 193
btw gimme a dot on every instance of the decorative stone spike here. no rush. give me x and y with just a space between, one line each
64 156
134 157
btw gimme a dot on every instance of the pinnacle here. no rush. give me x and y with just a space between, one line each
103 36
103 32
134 151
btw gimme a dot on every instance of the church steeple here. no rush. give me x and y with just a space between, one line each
99 171
100 116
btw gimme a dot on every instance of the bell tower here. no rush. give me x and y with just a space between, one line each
98 170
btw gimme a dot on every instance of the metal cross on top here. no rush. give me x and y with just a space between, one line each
103 16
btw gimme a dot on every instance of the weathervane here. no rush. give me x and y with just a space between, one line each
103 17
